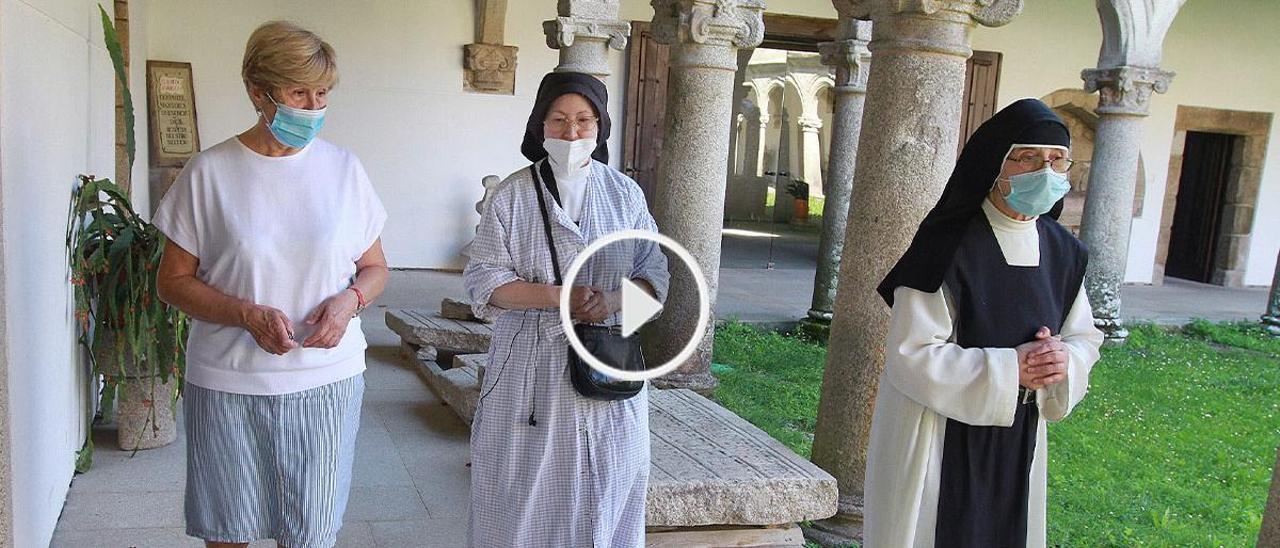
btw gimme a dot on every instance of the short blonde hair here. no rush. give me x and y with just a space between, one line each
282 54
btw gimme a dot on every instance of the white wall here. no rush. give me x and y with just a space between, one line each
56 121
1223 59
400 106
427 144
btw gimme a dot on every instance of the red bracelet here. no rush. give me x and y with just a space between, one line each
359 296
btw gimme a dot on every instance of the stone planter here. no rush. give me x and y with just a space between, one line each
144 412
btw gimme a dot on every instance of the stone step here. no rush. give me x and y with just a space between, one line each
424 327
719 537
709 466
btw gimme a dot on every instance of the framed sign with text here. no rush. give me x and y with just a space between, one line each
171 109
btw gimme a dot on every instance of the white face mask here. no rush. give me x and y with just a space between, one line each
569 158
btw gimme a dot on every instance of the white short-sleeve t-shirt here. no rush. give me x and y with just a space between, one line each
283 232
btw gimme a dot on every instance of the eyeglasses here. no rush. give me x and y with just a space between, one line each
561 124
1032 163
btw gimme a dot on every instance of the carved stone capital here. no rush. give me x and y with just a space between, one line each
1126 90
729 24
809 125
562 32
991 13
852 61
934 26
489 68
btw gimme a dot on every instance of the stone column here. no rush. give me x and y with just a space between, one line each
851 59
751 148
1272 318
705 36
782 174
584 32
1128 71
906 153
764 141
1269 534
811 155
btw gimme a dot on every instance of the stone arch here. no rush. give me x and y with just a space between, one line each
1077 108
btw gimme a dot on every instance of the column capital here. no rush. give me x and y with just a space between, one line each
725 24
852 61
1126 90
562 32
808 124
991 13
936 26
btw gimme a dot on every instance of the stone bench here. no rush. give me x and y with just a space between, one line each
714 475
427 328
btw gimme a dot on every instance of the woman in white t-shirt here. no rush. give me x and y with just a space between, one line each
273 249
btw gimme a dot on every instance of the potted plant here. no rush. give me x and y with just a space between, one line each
800 191
135 342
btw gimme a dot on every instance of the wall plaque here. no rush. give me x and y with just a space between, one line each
171 109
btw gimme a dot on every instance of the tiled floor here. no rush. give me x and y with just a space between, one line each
411 483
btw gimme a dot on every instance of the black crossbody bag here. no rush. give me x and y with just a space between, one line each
605 343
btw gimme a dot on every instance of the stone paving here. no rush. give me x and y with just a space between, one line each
411 484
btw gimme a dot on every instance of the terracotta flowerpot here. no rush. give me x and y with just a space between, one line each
801 211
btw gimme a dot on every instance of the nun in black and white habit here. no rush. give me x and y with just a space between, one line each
550 467
991 335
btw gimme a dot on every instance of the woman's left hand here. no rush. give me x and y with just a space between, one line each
599 306
330 320
1047 362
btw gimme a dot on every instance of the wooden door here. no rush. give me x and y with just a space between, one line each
981 81
646 107
1193 238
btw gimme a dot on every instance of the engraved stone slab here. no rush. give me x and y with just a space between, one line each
428 328
712 467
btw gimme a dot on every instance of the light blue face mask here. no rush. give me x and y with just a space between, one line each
295 127
1033 194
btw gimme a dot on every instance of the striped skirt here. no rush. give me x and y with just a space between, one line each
275 467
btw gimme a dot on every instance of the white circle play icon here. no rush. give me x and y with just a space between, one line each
638 306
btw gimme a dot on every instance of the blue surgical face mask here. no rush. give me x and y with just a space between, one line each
295 127
1033 194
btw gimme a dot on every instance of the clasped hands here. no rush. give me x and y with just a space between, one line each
589 304
274 332
1043 361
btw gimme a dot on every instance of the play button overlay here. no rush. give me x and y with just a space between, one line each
638 307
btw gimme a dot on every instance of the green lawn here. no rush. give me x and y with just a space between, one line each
1173 445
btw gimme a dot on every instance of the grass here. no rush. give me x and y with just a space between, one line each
771 380
1173 446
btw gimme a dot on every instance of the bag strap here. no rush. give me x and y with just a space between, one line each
546 223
